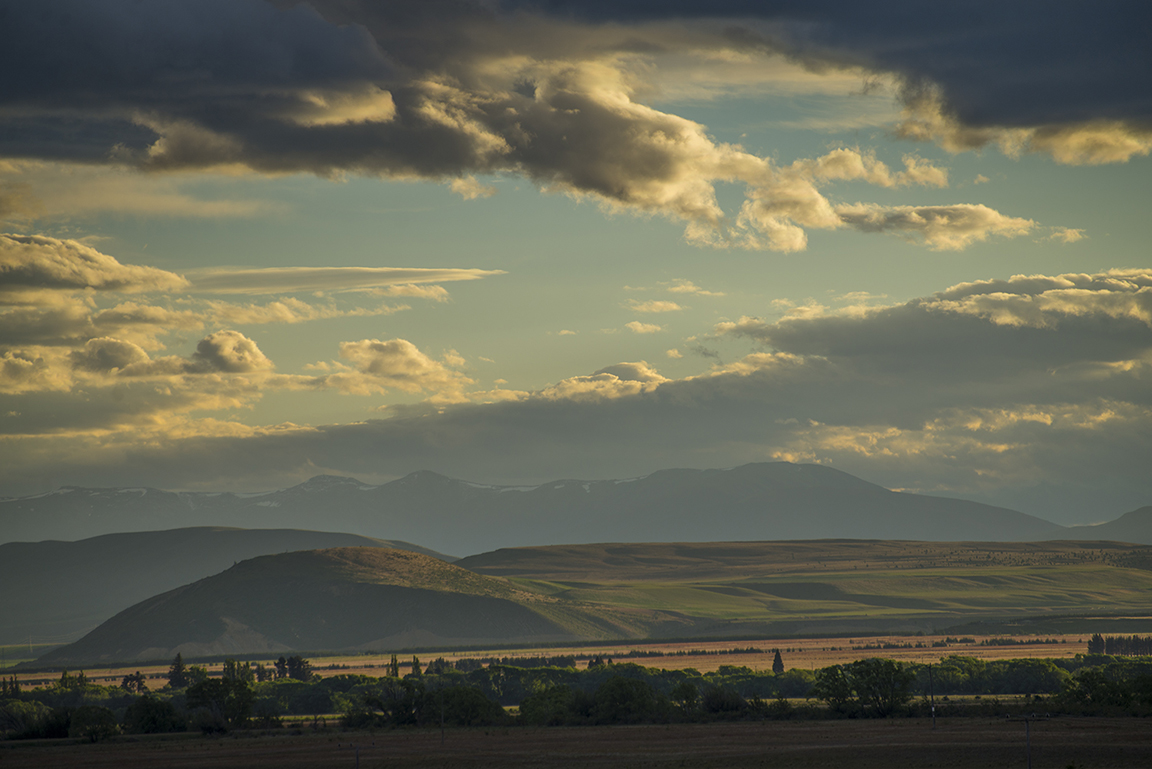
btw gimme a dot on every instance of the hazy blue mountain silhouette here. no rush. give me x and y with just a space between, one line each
763 501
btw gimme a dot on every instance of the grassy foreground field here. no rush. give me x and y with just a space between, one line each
1098 743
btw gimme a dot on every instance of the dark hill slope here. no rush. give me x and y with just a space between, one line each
762 501
340 598
57 591
1135 526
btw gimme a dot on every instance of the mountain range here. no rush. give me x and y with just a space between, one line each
761 501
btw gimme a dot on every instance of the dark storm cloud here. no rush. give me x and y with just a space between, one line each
1023 63
69 53
446 89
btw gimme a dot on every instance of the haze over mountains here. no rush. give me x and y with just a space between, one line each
763 501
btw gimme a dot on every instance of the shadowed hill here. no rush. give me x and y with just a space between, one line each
340 598
57 591
1135 526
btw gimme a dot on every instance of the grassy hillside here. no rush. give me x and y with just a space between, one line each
835 585
380 599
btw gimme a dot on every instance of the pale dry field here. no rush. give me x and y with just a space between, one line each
806 653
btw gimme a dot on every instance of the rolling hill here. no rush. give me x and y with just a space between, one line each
764 501
1135 526
57 591
390 600
337 598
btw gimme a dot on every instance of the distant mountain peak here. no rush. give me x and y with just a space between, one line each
328 481
425 476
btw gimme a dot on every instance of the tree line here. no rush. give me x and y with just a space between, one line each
419 694
1126 646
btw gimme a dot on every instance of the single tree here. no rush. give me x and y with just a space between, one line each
299 668
134 682
178 673
777 664
226 702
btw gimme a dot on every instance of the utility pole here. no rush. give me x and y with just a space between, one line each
1028 719
932 696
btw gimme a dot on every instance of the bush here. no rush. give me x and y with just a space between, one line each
555 706
722 699
461 706
93 722
622 700
21 720
149 715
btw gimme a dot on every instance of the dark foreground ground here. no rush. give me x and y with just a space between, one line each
1083 743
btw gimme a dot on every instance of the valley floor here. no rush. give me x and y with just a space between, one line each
1100 743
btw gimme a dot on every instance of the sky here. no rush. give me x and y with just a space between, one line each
247 242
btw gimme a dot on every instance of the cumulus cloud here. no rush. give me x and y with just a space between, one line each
396 364
609 383
681 286
231 352
1066 235
847 164
34 263
106 354
103 367
643 328
654 305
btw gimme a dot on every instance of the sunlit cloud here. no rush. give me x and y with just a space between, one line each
283 280
32 264
470 189
941 228
653 305
396 364
563 103
681 286
289 310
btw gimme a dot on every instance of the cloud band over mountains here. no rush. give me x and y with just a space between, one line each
980 385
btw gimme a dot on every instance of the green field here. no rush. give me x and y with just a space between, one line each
832 585
14 654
